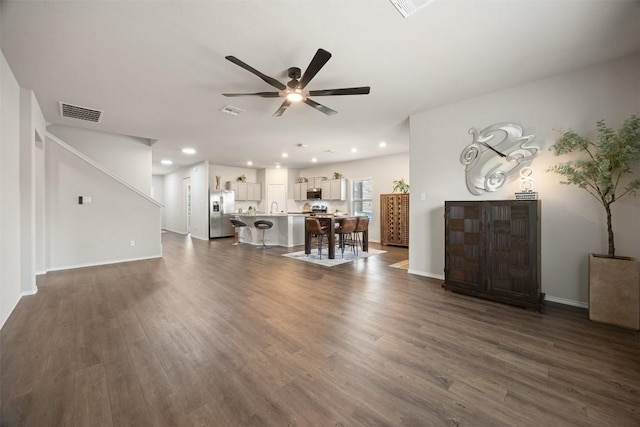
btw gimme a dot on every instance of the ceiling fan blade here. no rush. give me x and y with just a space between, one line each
273 82
282 108
261 94
321 57
328 111
346 91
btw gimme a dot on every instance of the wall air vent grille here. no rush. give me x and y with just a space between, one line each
409 7
80 113
230 109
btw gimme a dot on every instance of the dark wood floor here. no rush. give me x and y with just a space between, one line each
222 335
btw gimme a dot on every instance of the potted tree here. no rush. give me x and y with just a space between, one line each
605 168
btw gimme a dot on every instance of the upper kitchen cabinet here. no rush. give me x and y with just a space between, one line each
316 182
300 191
334 189
245 191
254 191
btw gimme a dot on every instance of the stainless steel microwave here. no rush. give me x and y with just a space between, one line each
314 193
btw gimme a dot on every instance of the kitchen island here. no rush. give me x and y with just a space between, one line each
287 230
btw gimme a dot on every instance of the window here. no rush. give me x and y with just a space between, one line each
362 197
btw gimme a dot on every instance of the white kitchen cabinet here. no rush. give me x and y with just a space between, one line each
300 191
334 189
245 190
316 182
254 191
326 190
338 189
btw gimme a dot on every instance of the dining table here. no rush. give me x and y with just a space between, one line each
330 222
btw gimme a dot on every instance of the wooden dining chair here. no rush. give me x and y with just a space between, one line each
361 227
314 227
347 226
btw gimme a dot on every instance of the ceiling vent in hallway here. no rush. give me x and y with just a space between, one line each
409 7
80 113
230 109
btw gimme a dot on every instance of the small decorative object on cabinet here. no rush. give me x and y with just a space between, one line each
394 219
400 186
492 250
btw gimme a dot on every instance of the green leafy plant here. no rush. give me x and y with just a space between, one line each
400 186
602 164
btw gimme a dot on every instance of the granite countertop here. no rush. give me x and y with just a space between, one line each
277 214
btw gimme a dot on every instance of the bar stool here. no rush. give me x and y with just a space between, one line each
314 227
347 226
238 226
264 225
361 227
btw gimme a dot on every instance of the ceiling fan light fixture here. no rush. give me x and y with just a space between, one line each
295 96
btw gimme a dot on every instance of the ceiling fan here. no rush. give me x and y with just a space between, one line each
294 91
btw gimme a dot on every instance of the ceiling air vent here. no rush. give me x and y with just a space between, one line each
230 109
409 7
80 113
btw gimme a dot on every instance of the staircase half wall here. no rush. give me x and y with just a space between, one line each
114 223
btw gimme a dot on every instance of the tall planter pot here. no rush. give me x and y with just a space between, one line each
614 291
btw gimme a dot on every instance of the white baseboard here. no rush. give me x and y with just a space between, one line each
566 301
30 292
425 274
175 231
116 261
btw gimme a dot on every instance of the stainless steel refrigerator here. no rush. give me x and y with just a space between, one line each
221 207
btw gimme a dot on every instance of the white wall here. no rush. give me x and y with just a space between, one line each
573 223
175 212
125 156
10 246
99 232
383 170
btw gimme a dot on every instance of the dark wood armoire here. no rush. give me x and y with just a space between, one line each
492 250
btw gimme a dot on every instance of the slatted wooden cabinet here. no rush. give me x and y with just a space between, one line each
394 219
492 250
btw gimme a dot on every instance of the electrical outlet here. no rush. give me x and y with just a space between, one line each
132 243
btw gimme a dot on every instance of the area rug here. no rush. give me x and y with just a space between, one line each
326 262
404 265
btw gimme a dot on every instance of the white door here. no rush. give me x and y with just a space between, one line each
276 194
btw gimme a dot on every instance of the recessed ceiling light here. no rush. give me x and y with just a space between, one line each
314 160
189 150
354 150
277 165
166 162
249 163
285 155
382 144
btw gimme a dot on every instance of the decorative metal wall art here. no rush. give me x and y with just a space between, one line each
490 161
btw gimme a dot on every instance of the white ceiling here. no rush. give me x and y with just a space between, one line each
157 69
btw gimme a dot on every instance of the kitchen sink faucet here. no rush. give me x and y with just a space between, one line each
272 203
